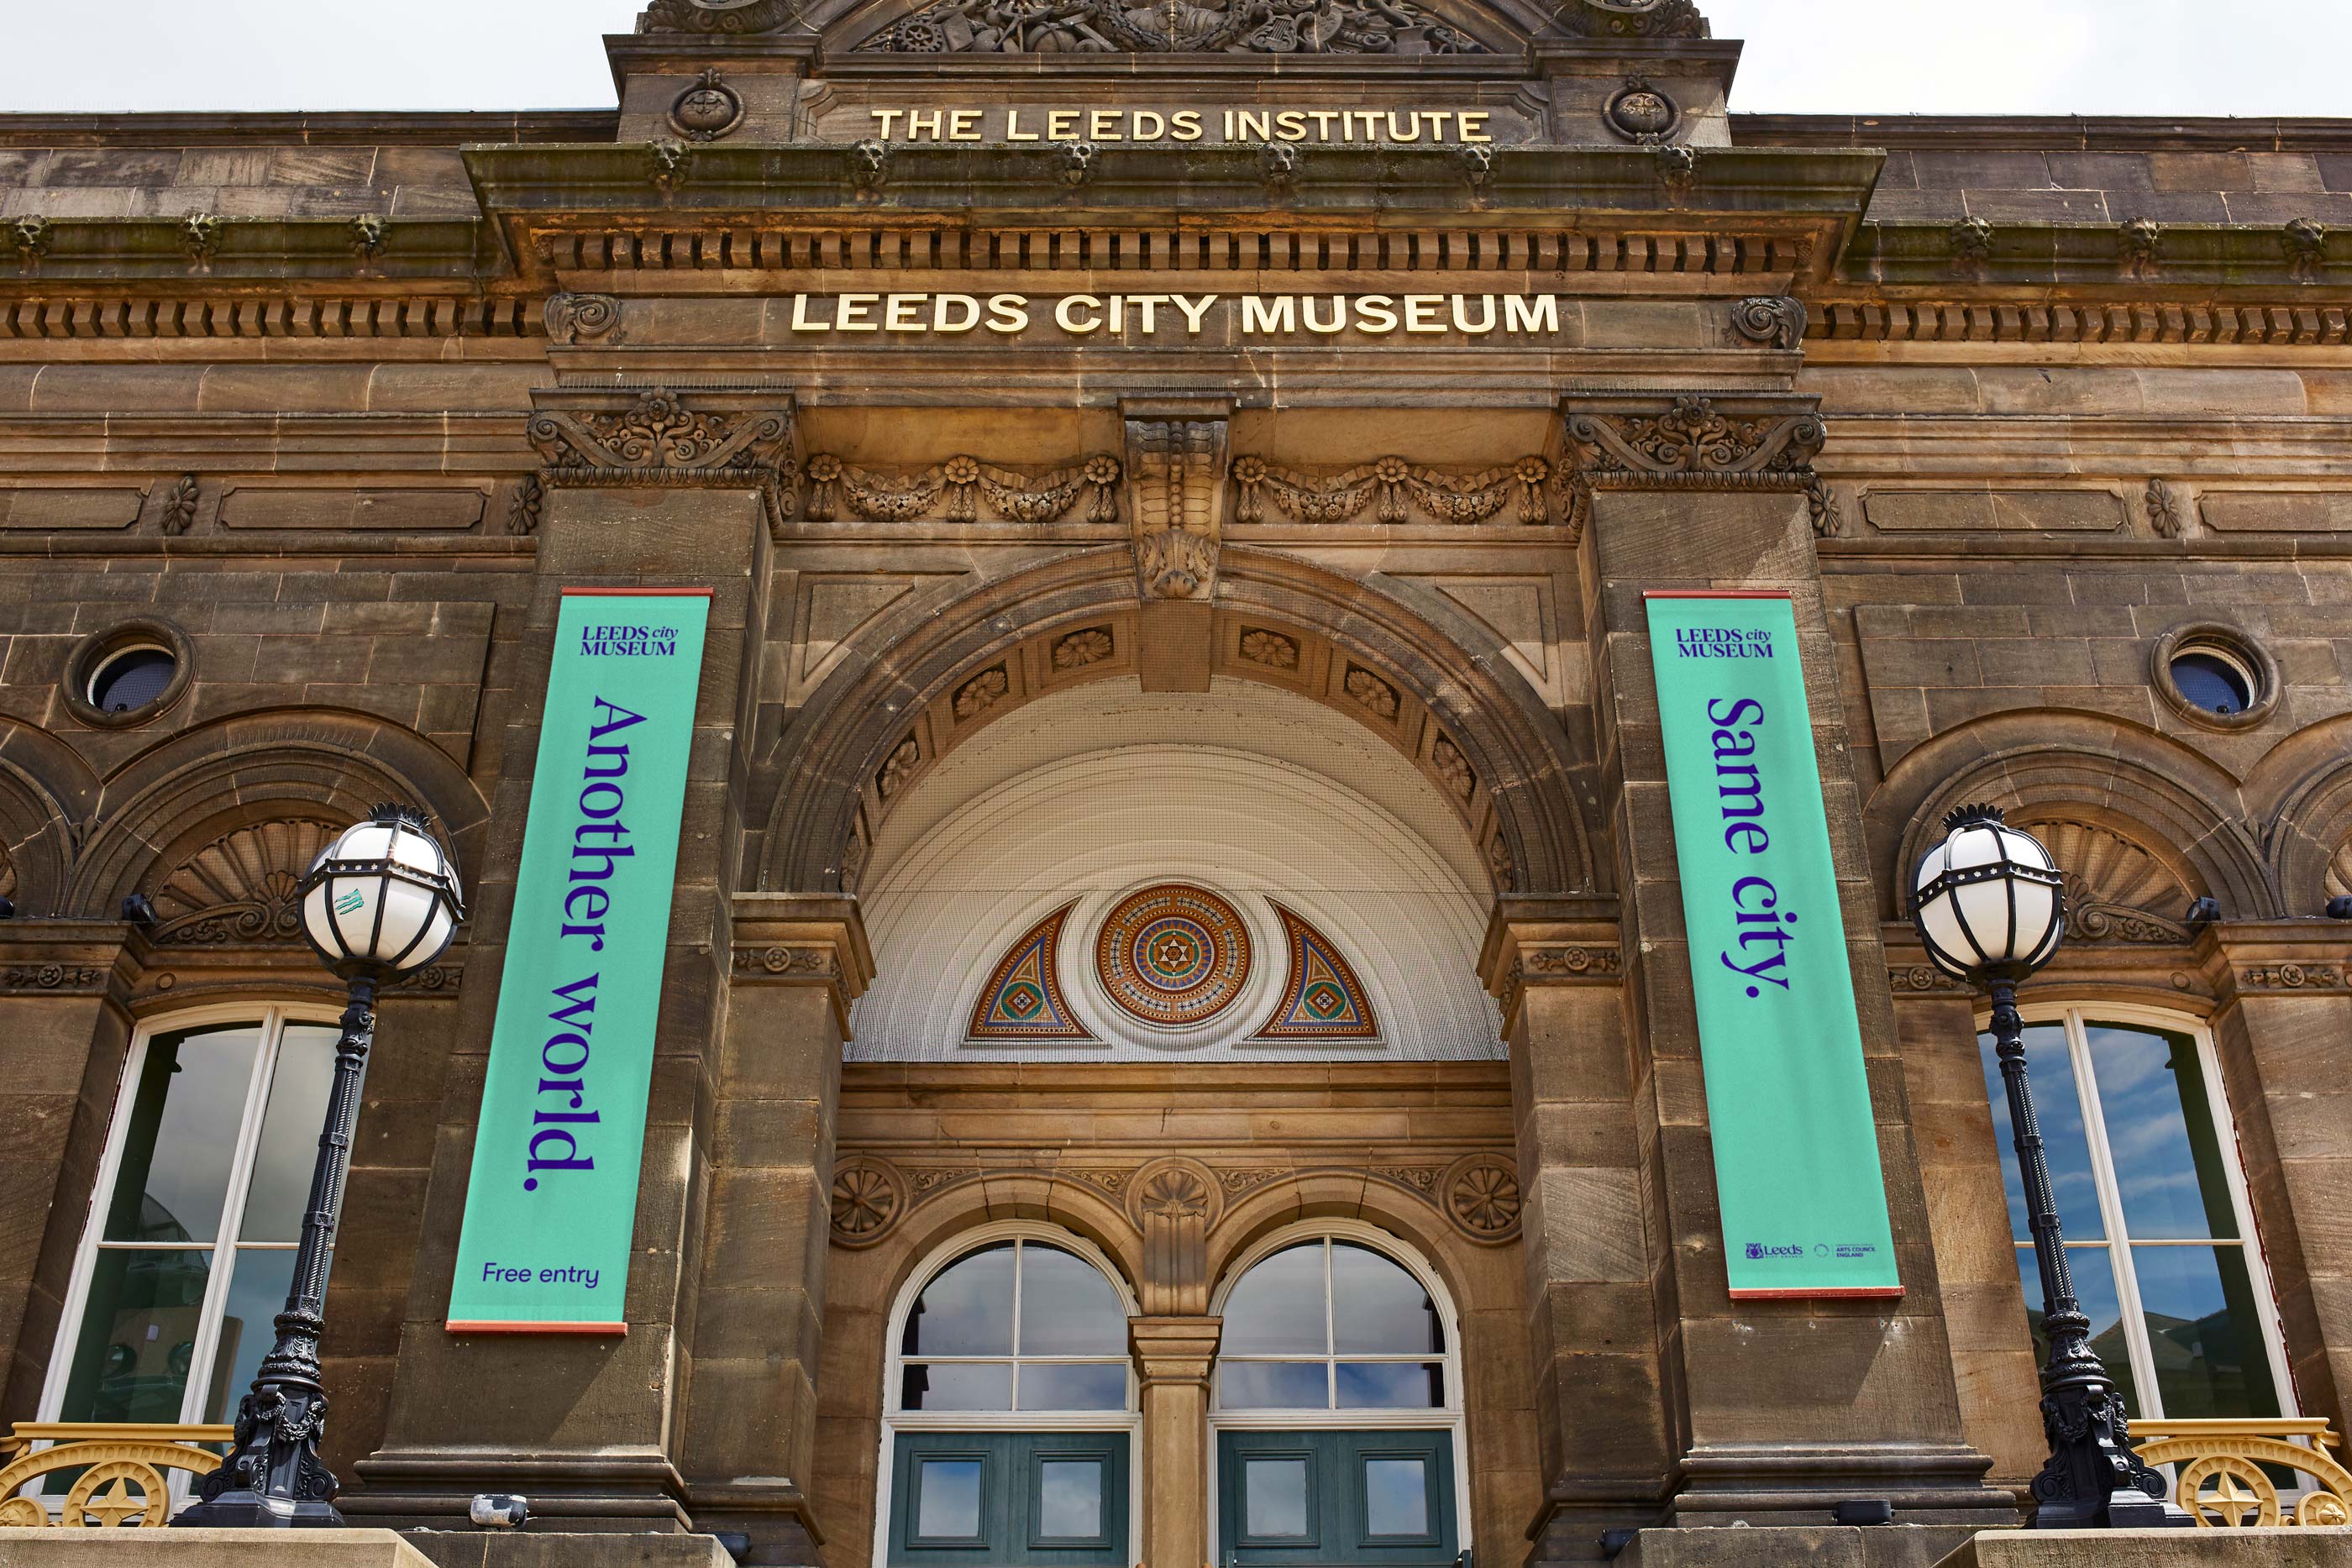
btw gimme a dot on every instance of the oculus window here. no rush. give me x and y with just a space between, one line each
1009 1437
2143 1162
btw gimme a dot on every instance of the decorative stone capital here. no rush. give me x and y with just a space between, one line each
803 940
1176 493
1536 942
591 437
2273 958
1693 443
1174 1349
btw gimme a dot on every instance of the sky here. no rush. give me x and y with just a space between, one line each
2166 57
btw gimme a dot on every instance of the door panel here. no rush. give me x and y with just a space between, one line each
1297 1499
1009 1499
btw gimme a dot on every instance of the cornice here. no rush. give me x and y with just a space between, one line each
1993 260
2045 133
203 253
357 128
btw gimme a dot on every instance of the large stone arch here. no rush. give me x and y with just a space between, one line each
890 707
2169 803
2301 793
229 782
47 793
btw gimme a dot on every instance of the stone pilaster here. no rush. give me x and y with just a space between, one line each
1775 1410
759 1275
641 488
1587 1243
1173 1358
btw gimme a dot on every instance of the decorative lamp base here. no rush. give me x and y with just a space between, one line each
251 1510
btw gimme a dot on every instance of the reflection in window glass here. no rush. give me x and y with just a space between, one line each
1377 1307
289 1135
957 1385
966 1309
1390 1385
1070 1498
1278 1309
256 1294
1067 1308
1274 1497
1082 1386
138 1336
946 1500
960 1352
1396 1497
1275 1386
182 1136
2156 1243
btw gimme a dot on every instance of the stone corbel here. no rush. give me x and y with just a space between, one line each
801 939
1690 442
1536 941
1176 504
620 436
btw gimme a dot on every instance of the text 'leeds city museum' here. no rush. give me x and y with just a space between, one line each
1189 746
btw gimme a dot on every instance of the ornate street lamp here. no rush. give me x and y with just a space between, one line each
378 903
1990 905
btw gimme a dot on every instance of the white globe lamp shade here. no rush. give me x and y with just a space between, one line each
382 898
1988 902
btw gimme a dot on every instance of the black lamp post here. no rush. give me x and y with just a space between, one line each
378 902
1990 905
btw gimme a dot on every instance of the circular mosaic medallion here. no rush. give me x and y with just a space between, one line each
1172 954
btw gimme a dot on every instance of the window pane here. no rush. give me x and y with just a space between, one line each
2058 1108
137 1336
1274 1493
1278 1307
1396 1497
2160 1126
946 1499
957 1385
1272 1385
2204 1332
256 1294
1378 1307
1070 1498
181 1137
1067 1308
2095 1288
1390 1385
967 1310
289 1135
1049 1386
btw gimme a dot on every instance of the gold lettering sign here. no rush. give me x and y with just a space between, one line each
1463 126
1151 314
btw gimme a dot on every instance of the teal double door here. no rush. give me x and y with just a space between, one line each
1009 1499
1314 1497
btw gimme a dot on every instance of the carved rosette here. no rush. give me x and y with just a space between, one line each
1480 1194
1695 445
870 1196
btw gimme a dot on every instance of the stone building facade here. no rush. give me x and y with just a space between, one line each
1124 461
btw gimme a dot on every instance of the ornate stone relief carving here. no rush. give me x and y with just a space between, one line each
981 692
1396 490
178 511
200 236
1775 321
657 438
522 512
53 977
1175 469
1090 645
581 318
241 887
1481 1194
1271 649
2293 977
31 236
893 774
2166 517
2116 890
707 110
1633 19
869 1198
1920 977
2305 240
717 16
780 962
1692 445
1371 692
1642 113
1452 767
2339 871
2139 245
1183 27
955 491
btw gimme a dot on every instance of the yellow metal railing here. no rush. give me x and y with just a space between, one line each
123 1481
2221 1480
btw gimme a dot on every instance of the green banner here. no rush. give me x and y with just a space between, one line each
1788 1101
553 1195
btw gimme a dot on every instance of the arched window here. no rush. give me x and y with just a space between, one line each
1337 1406
2161 1245
1009 1432
193 1219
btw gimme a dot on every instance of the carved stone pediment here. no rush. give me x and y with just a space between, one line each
2116 890
242 886
718 18
1696 443
1392 27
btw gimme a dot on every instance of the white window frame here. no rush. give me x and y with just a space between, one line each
2119 1242
1448 1418
1129 1420
271 1019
